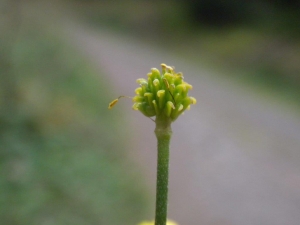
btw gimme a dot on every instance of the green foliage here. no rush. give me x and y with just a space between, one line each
59 160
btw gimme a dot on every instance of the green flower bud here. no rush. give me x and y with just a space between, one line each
138 99
161 98
149 96
141 81
138 91
155 73
164 94
193 100
136 106
156 82
155 107
168 108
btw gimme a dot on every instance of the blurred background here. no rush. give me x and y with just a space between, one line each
66 159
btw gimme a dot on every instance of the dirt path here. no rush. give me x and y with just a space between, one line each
234 158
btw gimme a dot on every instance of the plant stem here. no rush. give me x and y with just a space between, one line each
163 133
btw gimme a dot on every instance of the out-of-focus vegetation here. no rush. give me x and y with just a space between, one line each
256 42
60 162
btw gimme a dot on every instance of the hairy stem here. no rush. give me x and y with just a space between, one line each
163 133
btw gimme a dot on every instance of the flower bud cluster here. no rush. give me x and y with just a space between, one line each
163 93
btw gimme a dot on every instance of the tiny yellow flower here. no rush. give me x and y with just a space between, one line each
169 222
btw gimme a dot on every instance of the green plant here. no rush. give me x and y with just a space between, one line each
165 96
59 162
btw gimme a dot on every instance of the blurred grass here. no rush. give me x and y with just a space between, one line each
250 56
263 52
60 162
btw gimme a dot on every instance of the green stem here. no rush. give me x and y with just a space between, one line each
163 133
